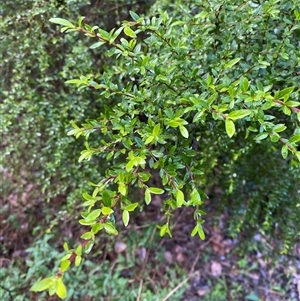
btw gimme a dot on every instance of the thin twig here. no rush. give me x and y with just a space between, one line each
140 291
176 288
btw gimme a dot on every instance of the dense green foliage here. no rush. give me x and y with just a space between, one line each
206 90
36 104
196 97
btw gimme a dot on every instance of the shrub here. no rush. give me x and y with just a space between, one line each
205 94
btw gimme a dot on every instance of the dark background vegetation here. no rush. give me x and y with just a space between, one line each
42 182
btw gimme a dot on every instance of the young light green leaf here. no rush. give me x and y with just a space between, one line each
110 229
106 211
129 32
63 22
42 285
156 130
179 198
147 196
66 247
78 259
184 132
230 127
61 290
239 114
64 265
93 215
87 235
156 190
284 151
131 207
261 136
134 16
231 63
97 45
125 217
78 250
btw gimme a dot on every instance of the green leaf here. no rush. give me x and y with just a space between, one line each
88 197
184 132
164 230
110 229
125 217
244 84
42 285
149 139
61 290
292 104
66 247
195 197
64 265
230 127
78 259
93 215
284 93
134 16
231 63
87 235
74 81
106 211
122 188
156 190
284 151
179 198
63 22
261 136
78 250
279 128
156 130
97 45
147 197
295 138
129 32
201 232
131 207
89 247
239 114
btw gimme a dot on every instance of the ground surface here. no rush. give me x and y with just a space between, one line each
182 268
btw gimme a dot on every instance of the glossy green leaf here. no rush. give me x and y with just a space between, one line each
261 136
63 22
61 290
184 132
78 259
125 217
147 196
93 215
239 114
97 45
42 285
230 127
156 190
179 198
231 63
78 250
129 32
106 211
64 265
131 207
134 16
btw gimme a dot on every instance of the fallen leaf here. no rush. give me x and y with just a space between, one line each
120 247
216 269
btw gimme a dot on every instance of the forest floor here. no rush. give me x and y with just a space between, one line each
180 268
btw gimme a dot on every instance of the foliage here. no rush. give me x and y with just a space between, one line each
189 96
36 105
100 281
